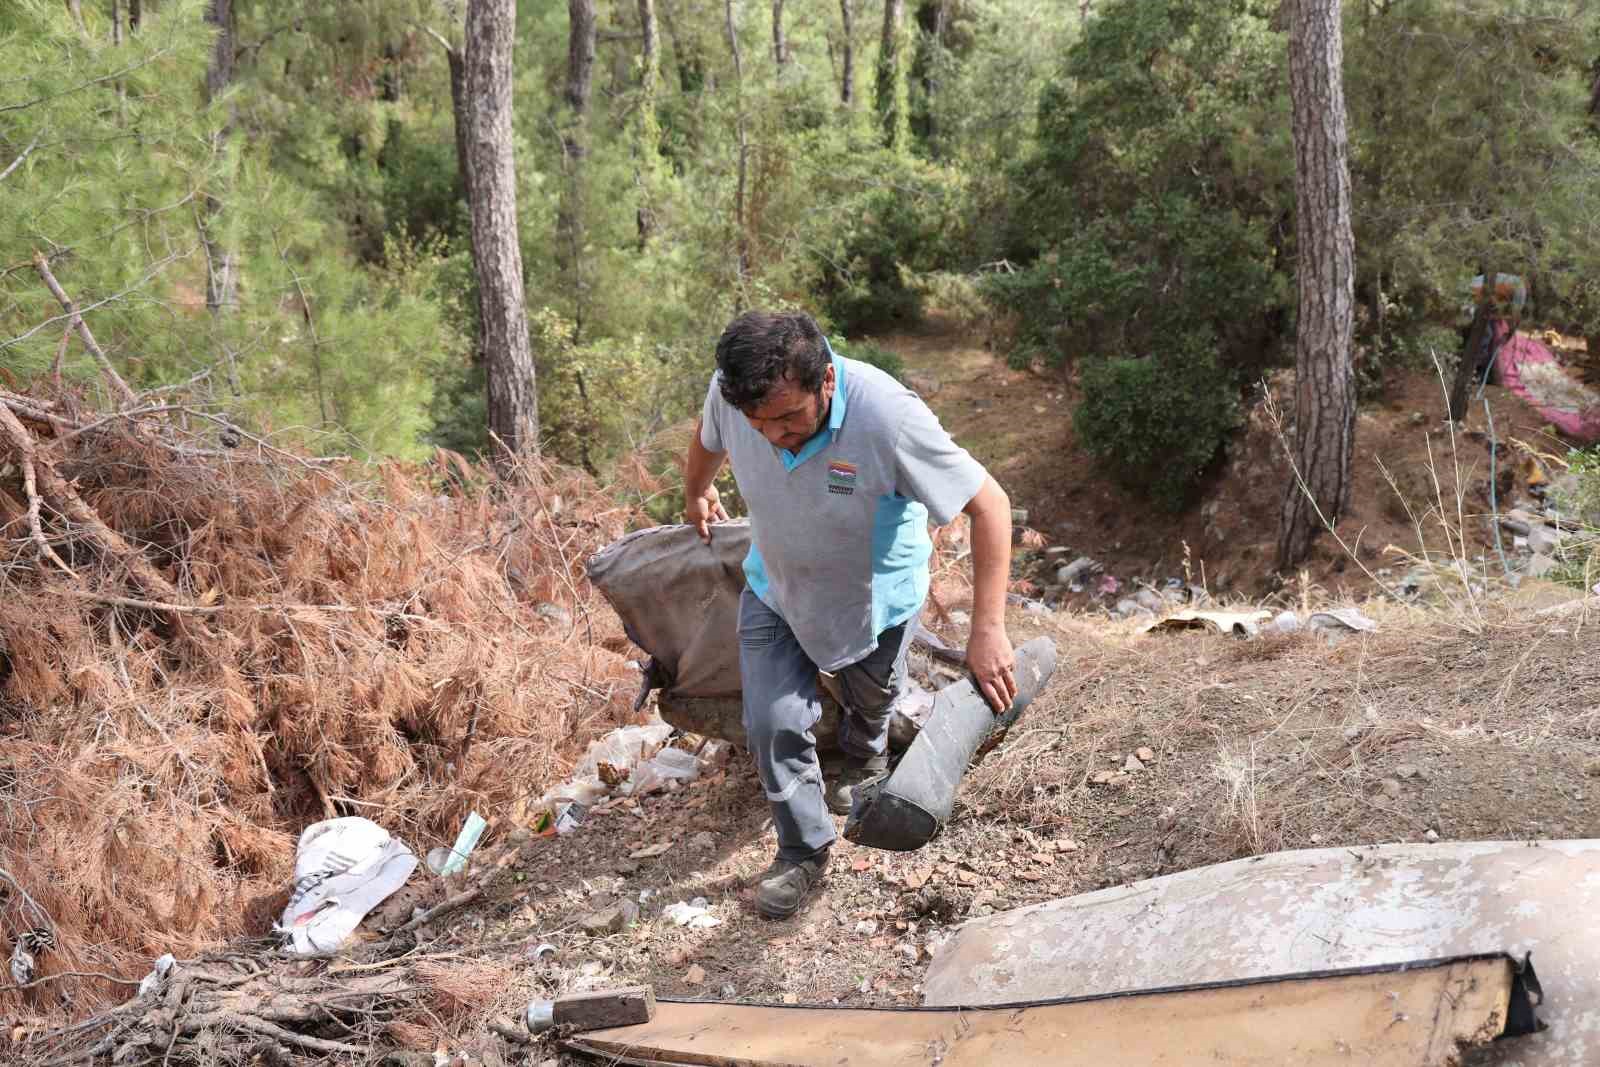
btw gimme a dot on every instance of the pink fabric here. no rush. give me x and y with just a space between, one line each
1532 372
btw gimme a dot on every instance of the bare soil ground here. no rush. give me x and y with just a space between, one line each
1018 423
1279 743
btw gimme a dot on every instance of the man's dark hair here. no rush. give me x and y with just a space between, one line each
759 349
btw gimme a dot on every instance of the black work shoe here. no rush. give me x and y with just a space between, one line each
780 895
856 770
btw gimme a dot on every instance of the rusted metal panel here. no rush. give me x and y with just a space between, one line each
1309 910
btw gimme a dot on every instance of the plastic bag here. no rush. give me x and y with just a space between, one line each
670 764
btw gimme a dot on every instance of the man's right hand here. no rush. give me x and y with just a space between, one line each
703 510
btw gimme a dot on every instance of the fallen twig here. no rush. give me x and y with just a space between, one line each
461 899
75 318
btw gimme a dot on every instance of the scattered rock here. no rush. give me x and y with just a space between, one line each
1167 819
1150 600
1334 624
1352 734
791 998
1543 540
556 615
1407 771
1540 565
1127 608
918 877
1431 835
1067 844
1102 777
695 975
923 383
729 991
1390 787
1133 764
1145 753
704 841
1592 767
866 927
1075 575
610 920
910 951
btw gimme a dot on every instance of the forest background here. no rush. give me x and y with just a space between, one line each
265 201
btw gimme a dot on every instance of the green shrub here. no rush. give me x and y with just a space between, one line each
905 223
1158 422
867 352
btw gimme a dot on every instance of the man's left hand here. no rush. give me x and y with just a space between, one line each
993 666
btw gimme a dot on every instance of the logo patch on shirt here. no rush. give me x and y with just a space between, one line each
841 477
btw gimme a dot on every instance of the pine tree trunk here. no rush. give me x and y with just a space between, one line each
1324 377
496 252
847 75
463 118
574 150
892 99
743 239
219 75
647 144
780 46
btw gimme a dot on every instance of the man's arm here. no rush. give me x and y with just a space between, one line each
989 653
701 503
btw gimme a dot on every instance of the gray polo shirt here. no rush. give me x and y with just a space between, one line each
839 529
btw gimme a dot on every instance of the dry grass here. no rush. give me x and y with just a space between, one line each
364 642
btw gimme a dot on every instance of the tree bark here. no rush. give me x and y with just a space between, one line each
743 240
574 150
220 278
780 46
116 22
847 74
496 251
647 143
892 93
1324 375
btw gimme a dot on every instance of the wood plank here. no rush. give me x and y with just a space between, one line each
1386 1018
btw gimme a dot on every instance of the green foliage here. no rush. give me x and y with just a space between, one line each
1147 212
1159 422
884 359
908 224
1584 499
1469 141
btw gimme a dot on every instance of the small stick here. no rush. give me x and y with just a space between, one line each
76 322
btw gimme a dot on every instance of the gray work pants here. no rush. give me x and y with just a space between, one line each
781 708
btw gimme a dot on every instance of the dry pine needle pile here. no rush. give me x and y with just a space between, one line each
205 648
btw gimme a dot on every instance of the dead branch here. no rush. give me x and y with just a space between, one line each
460 900
75 318
26 152
23 443
65 499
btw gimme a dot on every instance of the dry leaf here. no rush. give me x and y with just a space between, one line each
694 975
1145 755
968 877
918 878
